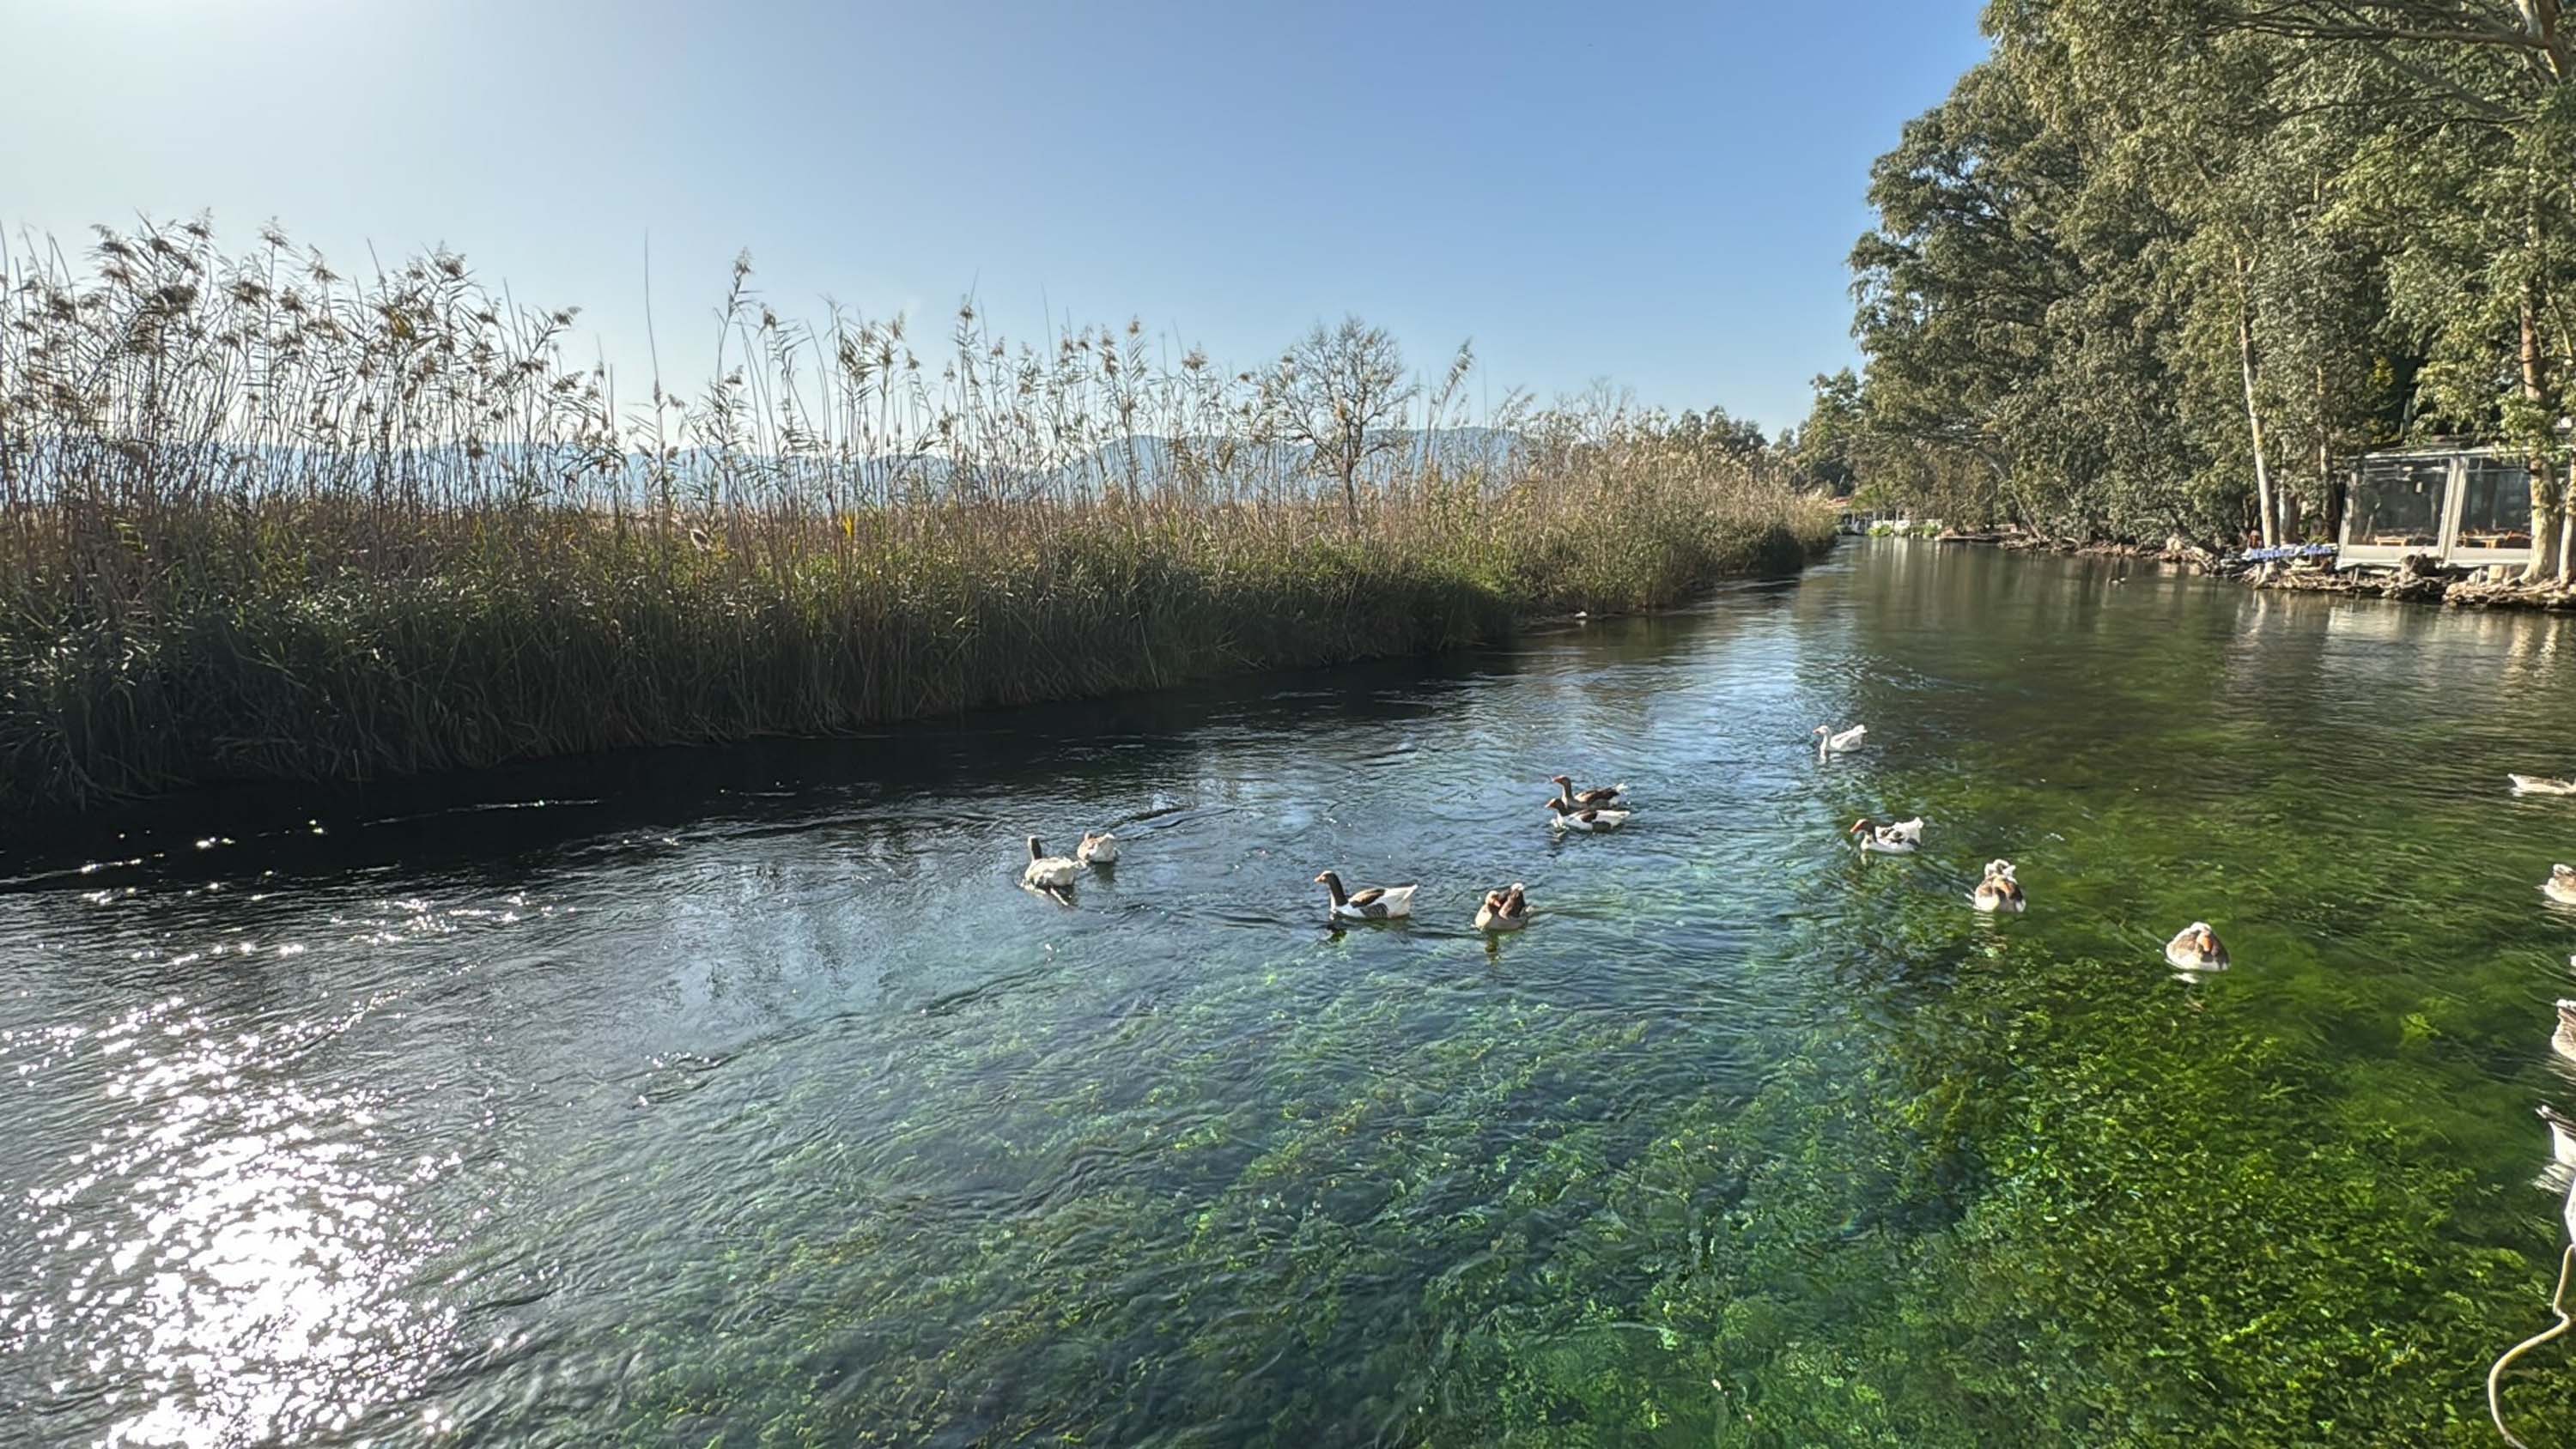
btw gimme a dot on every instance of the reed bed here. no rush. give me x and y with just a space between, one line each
262 520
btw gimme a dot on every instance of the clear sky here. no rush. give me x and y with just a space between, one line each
1659 194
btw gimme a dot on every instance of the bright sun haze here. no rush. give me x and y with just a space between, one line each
1662 198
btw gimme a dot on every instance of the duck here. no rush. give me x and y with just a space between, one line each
2541 785
1047 872
1585 799
2562 1134
1097 850
1999 891
2564 1039
1377 903
1830 743
2196 948
2561 885
1503 910
1564 818
1901 838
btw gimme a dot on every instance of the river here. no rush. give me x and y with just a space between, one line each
741 1096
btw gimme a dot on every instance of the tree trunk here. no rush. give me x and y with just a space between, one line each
2545 486
2566 529
1350 492
2253 414
2326 491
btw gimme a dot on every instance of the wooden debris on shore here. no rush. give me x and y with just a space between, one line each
2553 597
2414 588
2304 569
2424 582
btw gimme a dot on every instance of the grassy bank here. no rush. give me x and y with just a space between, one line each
258 521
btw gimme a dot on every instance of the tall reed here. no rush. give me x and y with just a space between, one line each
260 519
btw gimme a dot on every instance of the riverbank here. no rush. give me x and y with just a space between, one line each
2455 590
257 648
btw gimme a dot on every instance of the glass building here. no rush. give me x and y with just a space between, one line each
2462 507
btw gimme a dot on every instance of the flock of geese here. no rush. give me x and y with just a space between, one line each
1605 808
2193 950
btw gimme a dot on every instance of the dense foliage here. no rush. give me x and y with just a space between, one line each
2165 267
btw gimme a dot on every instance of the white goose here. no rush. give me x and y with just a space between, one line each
2196 948
1589 821
1101 849
1377 903
1902 838
2541 785
2561 885
2564 1039
1830 743
1999 891
1047 872
2562 1135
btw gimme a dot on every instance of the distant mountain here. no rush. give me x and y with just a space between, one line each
693 475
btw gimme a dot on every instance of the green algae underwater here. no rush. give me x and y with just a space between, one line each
738 1097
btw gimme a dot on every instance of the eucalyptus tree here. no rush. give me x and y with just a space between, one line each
1957 285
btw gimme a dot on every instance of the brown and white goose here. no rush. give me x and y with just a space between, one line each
2561 885
1902 838
1377 903
1564 817
1999 891
1503 910
2196 948
1575 799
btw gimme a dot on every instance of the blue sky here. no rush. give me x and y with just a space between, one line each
1660 194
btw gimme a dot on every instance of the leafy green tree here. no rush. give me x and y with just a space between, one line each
2163 264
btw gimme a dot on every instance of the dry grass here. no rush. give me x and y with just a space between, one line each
259 520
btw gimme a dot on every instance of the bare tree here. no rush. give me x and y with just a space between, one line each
1341 393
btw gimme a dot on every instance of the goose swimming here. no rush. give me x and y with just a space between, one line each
1830 743
1101 849
2561 885
2197 949
2541 785
2564 1039
1047 872
2562 1134
1585 820
1503 910
1999 891
1585 799
1377 903
1901 838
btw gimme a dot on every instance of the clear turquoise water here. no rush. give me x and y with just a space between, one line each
741 1097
